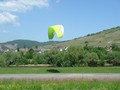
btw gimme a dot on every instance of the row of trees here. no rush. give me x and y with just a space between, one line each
73 56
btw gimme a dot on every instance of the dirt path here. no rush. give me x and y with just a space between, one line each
61 76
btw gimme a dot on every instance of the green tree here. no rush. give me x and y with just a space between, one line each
39 58
23 59
92 59
113 58
50 57
9 58
60 59
29 54
115 47
74 56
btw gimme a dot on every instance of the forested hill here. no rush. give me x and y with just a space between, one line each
29 43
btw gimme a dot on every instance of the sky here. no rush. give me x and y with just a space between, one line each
30 19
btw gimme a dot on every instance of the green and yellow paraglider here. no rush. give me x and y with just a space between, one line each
56 29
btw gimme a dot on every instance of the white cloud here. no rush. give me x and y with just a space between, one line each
7 18
21 5
7 7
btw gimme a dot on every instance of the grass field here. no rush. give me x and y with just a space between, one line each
28 84
37 70
58 85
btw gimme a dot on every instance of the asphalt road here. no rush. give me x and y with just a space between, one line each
61 76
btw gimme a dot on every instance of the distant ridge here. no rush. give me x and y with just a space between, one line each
103 38
29 43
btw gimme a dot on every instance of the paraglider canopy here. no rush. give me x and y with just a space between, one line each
56 29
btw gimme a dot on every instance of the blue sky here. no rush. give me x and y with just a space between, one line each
30 19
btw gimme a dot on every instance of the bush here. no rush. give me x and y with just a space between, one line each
74 56
115 47
39 58
9 58
92 59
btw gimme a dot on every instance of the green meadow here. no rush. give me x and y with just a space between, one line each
39 70
58 85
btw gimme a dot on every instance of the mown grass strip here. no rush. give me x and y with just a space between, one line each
39 70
